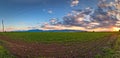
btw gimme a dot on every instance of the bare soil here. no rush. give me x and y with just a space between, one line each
23 49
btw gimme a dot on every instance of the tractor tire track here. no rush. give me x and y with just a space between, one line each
56 50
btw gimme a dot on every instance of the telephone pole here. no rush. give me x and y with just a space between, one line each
3 25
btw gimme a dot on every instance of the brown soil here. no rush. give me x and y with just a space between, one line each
56 50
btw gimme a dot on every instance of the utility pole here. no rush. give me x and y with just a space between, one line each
3 25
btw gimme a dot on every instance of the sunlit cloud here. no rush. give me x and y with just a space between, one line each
13 28
115 28
101 19
106 17
61 27
74 3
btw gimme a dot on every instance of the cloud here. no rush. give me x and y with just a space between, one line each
78 18
63 27
100 19
13 28
118 16
53 21
74 3
50 11
103 18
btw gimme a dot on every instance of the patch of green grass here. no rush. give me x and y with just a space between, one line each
4 53
56 36
111 52
107 53
62 37
117 48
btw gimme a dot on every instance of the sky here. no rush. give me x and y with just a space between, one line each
46 14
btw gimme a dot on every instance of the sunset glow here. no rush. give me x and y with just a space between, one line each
97 15
115 28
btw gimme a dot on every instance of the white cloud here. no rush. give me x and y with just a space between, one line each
79 19
13 28
118 16
74 3
87 18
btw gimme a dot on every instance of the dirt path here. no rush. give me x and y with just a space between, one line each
55 50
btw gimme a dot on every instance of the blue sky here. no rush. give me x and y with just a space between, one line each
29 13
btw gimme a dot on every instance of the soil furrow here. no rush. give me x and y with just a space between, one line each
56 50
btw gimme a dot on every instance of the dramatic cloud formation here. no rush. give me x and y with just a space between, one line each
105 18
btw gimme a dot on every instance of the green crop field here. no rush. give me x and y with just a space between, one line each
21 44
5 53
56 36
